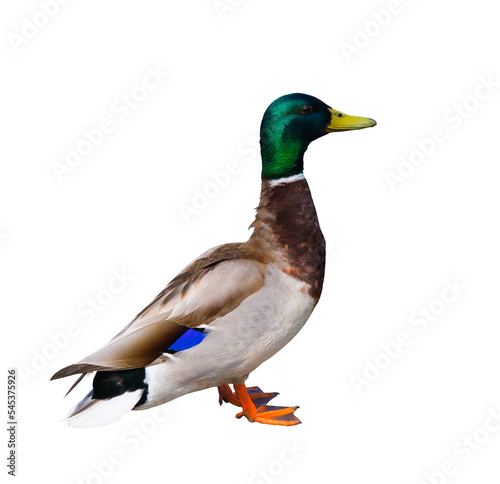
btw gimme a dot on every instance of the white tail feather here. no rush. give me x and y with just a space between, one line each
94 413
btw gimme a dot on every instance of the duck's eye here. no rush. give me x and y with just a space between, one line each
339 115
306 109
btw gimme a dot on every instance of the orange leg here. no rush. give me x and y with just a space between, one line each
255 393
248 398
228 396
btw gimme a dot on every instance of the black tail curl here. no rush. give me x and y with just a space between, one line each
110 384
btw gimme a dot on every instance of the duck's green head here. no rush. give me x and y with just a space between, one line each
290 123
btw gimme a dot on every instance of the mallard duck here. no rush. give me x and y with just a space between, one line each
237 304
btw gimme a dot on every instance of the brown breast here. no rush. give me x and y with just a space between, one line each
287 229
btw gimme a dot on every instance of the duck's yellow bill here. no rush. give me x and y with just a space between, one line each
344 122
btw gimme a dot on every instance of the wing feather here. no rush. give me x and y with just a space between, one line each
208 289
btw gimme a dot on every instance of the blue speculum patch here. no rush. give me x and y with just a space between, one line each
190 338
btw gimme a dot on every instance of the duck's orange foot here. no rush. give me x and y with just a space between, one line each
257 396
272 415
254 405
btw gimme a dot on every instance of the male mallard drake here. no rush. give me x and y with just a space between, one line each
237 304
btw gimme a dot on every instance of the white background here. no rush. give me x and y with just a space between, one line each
390 251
